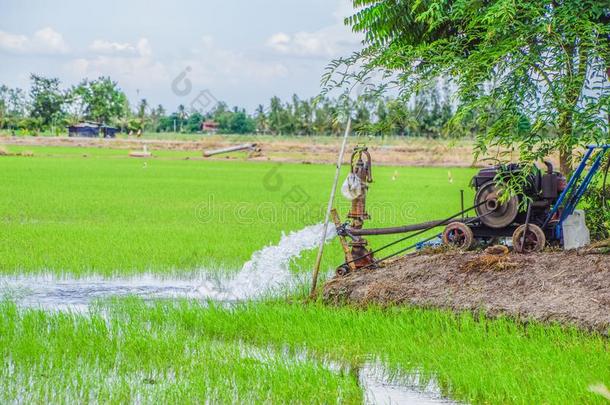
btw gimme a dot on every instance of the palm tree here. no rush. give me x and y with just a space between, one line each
181 115
262 123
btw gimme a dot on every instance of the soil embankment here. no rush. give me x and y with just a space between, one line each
408 152
563 287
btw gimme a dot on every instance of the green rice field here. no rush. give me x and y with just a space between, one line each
96 211
179 351
84 212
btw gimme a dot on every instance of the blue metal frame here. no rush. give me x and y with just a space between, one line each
573 193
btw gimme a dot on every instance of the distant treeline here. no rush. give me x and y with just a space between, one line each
46 106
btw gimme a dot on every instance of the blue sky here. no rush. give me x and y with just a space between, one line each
242 52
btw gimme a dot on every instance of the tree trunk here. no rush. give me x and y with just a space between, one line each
565 151
565 161
572 95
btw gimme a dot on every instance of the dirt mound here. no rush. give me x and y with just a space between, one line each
560 287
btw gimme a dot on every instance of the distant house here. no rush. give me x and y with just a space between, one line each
209 127
91 130
109 132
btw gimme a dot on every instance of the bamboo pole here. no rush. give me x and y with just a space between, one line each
331 200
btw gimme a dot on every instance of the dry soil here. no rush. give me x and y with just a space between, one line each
566 287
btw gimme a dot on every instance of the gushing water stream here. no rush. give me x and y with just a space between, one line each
267 271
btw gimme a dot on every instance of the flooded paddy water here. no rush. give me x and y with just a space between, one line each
267 272
380 386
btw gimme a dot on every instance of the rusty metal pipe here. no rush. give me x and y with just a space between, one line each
398 229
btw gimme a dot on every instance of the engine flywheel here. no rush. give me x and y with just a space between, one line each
493 213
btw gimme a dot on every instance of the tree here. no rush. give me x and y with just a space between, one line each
16 107
3 104
181 116
381 112
193 124
362 117
531 71
431 113
240 123
102 99
142 108
262 123
276 115
142 113
325 117
155 117
47 100
17 103
305 117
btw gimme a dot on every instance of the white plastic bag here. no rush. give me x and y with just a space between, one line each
352 187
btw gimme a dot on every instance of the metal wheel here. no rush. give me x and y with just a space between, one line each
534 241
342 270
459 235
492 213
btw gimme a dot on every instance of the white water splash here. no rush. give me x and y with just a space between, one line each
269 268
267 271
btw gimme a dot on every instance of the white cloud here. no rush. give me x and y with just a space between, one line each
131 64
101 46
305 44
328 42
12 42
136 65
211 63
132 70
207 41
50 40
280 42
43 41
141 47
208 67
